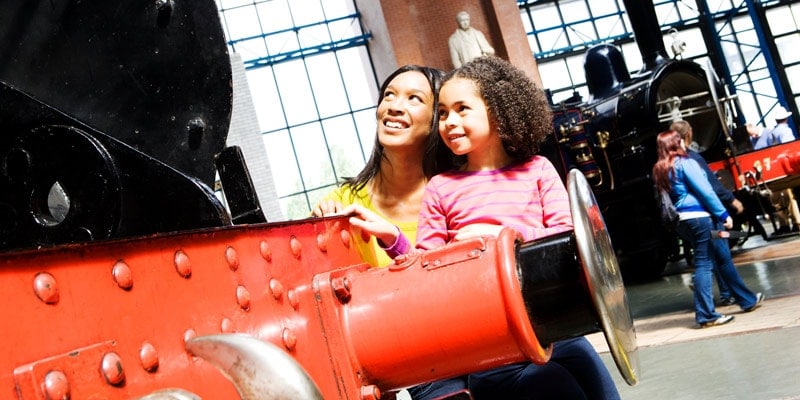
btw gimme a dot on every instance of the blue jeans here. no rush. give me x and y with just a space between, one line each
575 371
708 254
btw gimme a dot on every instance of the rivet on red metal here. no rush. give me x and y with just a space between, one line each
276 288
149 357
243 297
266 252
122 275
45 287
232 257
56 385
289 338
182 264
322 242
296 246
112 370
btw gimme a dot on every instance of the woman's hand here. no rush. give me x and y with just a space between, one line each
371 224
728 223
327 207
477 230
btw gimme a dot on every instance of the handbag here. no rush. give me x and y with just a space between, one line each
669 214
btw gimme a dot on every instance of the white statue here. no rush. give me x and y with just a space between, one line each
466 42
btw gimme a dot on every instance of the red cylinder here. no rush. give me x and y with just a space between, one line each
402 326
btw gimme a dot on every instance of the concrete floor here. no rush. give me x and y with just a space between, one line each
756 357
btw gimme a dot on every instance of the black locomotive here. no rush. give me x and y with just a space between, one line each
611 137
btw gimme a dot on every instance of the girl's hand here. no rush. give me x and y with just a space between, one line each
327 207
477 230
371 224
728 223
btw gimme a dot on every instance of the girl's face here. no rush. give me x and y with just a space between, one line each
464 119
405 111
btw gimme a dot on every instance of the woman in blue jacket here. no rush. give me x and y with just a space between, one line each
700 211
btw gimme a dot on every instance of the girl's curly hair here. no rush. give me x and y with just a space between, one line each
519 109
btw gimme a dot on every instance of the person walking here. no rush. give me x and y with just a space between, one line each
732 204
700 211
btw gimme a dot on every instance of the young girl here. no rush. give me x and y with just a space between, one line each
494 118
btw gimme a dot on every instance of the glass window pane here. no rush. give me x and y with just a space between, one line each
599 8
282 43
667 14
337 8
344 146
284 166
582 33
306 12
242 22
312 155
344 28
367 127
313 36
610 27
787 49
266 99
553 75
545 16
553 39
295 207
574 11
362 89
295 92
323 70
576 71
274 16
228 4
793 74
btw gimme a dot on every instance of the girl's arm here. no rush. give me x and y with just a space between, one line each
432 226
556 215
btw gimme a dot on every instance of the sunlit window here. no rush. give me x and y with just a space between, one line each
313 88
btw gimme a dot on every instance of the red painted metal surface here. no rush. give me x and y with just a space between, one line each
111 319
777 166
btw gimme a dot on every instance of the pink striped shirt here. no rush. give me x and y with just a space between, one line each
528 197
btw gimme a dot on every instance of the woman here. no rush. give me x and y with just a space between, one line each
406 153
700 211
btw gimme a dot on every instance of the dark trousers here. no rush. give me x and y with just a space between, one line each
575 371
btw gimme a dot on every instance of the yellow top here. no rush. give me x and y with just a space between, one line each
371 251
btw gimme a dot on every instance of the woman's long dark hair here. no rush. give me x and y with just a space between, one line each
436 158
668 147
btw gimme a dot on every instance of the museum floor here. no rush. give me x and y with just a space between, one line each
756 357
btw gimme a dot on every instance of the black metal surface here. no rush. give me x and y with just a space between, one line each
153 74
64 182
618 125
554 290
111 114
240 194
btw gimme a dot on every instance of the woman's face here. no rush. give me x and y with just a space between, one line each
405 112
